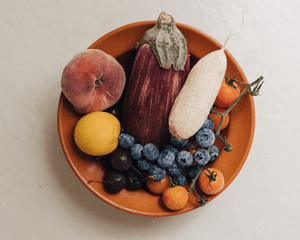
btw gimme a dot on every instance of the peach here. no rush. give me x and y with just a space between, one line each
93 81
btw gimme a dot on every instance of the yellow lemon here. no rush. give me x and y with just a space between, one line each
97 133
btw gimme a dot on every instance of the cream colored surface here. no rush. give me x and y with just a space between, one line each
41 198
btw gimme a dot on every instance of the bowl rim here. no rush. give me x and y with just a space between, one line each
77 172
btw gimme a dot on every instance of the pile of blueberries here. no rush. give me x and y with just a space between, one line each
171 160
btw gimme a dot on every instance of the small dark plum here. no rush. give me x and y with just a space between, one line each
113 181
114 110
120 159
134 179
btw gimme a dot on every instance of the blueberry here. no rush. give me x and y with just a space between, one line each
136 151
144 165
165 159
150 152
201 156
193 171
184 159
174 169
171 148
157 172
205 137
208 123
180 180
213 152
126 140
178 144
192 138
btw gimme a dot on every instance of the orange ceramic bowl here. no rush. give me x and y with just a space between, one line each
121 43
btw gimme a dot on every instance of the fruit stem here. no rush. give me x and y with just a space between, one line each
212 175
200 200
255 92
194 180
90 181
98 83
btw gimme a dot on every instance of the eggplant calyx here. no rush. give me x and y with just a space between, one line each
167 43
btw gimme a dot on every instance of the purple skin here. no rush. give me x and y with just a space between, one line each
165 159
126 140
205 137
184 159
201 157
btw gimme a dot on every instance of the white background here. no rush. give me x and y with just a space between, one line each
41 198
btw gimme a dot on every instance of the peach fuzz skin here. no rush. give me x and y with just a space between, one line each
93 81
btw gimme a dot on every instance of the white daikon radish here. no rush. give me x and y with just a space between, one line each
196 98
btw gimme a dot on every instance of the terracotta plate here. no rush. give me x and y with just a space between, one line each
121 43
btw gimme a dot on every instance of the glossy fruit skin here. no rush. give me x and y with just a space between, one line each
120 159
211 187
217 118
175 198
150 92
97 133
227 95
134 179
114 182
158 187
